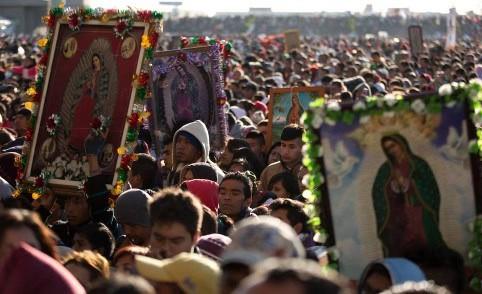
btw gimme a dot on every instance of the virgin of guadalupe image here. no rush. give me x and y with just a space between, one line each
296 110
90 93
406 201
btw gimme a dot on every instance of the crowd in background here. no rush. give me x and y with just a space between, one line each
198 221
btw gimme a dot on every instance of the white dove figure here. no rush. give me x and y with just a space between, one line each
456 146
339 164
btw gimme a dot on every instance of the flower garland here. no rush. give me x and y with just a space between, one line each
323 112
475 253
225 47
75 18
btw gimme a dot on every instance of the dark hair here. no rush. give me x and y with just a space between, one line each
234 144
100 237
175 205
274 146
5 137
257 135
119 283
254 164
146 167
94 263
18 218
98 56
292 132
289 182
209 224
261 210
295 211
376 268
306 274
240 177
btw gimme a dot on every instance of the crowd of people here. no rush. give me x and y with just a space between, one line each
322 25
200 221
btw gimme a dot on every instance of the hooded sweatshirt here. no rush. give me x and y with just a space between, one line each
206 191
200 132
401 270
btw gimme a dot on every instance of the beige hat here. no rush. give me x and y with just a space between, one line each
193 273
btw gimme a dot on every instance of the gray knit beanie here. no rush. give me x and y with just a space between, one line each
132 207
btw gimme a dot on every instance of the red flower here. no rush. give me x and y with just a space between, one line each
121 26
73 20
144 15
51 123
51 21
125 161
44 59
39 182
153 38
202 40
19 174
133 120
143 79
96 123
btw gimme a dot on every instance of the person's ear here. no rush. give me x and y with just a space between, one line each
298 227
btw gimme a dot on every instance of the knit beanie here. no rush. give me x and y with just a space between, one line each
132 207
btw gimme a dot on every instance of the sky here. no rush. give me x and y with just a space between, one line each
210 7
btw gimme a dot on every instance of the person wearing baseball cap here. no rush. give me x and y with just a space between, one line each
188 273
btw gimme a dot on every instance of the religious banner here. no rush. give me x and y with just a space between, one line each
95 65
286 106
395 176
187 85
292 40
415 37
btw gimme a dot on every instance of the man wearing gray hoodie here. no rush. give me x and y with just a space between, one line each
190 145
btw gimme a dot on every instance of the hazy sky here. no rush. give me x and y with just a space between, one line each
212 6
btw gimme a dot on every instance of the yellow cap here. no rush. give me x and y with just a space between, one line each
193 273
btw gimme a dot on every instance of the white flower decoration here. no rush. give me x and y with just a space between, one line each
455 85
390 100
359 105
445 90
320 237
304 149
364 119
418 106
333 106
305 181
307 193
317 121
475 82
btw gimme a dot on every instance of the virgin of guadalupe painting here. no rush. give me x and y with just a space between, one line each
89 77
91 90
186 88
406 200
286 106
398 185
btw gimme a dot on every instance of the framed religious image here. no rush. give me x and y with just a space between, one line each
415 36
286 105
397 177
292 40
88 86
187 85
